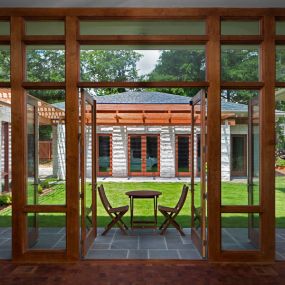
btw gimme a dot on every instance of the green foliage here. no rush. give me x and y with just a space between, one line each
280 64
4 65
40 189
5 199
44 184
280 162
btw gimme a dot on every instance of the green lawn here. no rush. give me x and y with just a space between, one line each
232 194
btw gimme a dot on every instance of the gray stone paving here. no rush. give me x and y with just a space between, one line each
141 244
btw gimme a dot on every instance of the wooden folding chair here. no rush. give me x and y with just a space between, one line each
116 214
171 213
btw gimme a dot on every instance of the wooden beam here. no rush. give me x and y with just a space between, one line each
19 140
214 138
267 140
72 146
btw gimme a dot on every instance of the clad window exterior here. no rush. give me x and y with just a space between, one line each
182 155
105 155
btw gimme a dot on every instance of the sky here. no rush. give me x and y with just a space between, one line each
148 61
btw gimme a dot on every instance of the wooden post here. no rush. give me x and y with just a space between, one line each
213 57
19 144
72 140
267 140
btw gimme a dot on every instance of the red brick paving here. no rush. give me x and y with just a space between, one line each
108 273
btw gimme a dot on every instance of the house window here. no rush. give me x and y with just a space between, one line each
182 155
105 155
144 155
238 155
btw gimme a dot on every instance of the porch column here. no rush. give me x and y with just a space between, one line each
167 152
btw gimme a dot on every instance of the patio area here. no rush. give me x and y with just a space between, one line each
140 244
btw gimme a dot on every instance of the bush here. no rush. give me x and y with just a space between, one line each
280 162
40 189
5 199
44 184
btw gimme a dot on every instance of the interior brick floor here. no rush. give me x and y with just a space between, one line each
147 273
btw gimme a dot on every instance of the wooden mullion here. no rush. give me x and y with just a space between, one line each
241 209
180 84
213 56
43 85
235 85
72 146
241 39
4 40
19 141
267 140
145 39
38 40
44 209
142 13
280 84
5 85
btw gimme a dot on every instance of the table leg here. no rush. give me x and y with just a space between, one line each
132 211
155 210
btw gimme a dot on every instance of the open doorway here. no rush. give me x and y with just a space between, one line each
141 127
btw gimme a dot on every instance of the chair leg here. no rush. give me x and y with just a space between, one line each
167 222
162 225
177 226
113 222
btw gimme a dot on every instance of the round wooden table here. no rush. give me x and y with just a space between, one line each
143 194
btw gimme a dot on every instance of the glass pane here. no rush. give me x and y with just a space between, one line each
151 154
280 63
45 63
280 28
240 28
142 63
4 28
5 177
147 27
240 63
280 171
183 154
104 154
46 147
32 181
4 63
50 232
44 28
88 165
238 155
136 154
237 179
240 231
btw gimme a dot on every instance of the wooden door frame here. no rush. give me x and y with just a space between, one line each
144 152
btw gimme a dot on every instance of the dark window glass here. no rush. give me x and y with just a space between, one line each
183 154
104 153
151 154
136 155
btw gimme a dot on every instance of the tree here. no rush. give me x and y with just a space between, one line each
4 64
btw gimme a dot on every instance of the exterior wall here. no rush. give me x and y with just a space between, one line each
5 115
120 147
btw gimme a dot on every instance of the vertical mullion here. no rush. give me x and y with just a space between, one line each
213 56
18 114
72 146
267 137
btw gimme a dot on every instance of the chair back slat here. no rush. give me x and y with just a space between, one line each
104 198
182 198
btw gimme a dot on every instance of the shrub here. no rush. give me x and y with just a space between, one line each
40 189
44 184
280 162
5 199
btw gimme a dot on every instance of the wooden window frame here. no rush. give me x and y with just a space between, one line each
213 41
186 173
105 173
144 173
242 173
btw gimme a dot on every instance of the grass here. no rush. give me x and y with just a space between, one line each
232 194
